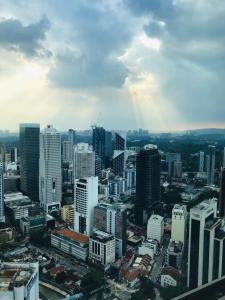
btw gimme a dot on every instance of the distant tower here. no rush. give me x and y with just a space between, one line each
210 163
85 199
201 162
147 182
13 154
120 141
222 194
98 140
29 160
50 179
2 214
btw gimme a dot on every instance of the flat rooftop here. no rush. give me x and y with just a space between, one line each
14 276
102 236
72 235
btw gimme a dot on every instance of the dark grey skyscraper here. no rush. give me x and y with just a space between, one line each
210 164
120 142
222 194
98 141
147 182
29 160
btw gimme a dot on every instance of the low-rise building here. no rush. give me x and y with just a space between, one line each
71 242
102 248
31 224
19 281
169 277
6 235
174 254
67 214
18 205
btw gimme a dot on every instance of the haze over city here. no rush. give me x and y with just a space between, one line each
123 64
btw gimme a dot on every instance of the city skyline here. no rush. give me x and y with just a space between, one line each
140 64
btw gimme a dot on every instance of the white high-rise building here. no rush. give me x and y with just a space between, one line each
155 228
2 214
179 221
84 161
206 244
50 178
201 162
19 281
85 199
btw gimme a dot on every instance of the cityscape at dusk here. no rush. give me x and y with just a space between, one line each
112 150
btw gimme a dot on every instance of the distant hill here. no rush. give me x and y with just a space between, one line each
206 131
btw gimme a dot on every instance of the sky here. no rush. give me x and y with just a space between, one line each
122 64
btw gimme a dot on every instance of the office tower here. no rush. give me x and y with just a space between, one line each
177 169
147 182
67 153
85 199
98 141
2 213
210 164
120 141
155 228
13 155
179 221
174 253
84 161
201 162
171 158
118 162
72 137
29 160
112 219
222 194
19 281
108 148
50 178
130 176
102 248
206 248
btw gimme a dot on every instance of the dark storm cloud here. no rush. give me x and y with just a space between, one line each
98 37
25 39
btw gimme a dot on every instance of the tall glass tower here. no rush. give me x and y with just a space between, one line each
29 159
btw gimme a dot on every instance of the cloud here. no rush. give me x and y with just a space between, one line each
98 36
25 39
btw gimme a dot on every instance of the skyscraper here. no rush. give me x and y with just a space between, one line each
67 153
13 154
206 247
2 214
84 161
210 164
201 161
224 157
72 137
118 162
50 178
29 160
147 182
98 141
108 149
171 158
85 199
222 194
120 141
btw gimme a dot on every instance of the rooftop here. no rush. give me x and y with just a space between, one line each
172 272
72 235
15 275
102 236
